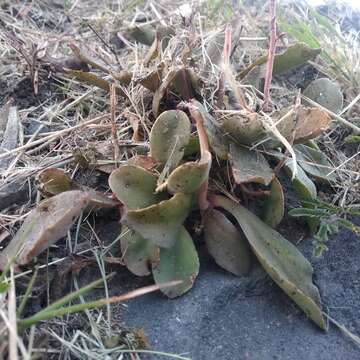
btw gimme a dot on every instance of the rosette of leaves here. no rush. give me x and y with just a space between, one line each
154 239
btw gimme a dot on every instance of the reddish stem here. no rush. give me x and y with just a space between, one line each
203 201
271 53
204 150
226 61
203 139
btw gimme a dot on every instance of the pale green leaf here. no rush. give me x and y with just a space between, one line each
169 136
249 166
161 222
273 210
226 244
134 186
179 262
137 253
280 258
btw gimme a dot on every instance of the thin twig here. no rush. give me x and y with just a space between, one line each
54 136
113 123
352 126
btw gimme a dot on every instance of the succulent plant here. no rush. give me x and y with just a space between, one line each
189 148
157 204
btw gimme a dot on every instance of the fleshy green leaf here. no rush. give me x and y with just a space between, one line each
193 147
293 57
46 224
134 186
137 252
249 166
226 244
305 190
352 139
280 258
188 177
53 181
303 185
314 162
179 262
161 222
273 210
326 93
243 128
169 136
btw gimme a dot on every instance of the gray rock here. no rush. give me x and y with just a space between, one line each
14 193
224 317
326 93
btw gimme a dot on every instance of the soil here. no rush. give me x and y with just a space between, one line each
224 317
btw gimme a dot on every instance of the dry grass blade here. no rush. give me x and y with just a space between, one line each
115 140
340 119
54 136
271 126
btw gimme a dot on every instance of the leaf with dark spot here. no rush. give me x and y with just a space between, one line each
226 244
161 222
249 166
280 258
180 262
187 178
273 209
134 186
169 136
138 253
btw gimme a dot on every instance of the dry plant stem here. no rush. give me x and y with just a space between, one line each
281 163
271 126
226 61
228 74
13 351
352 126
204 148
104 42
203 140
53 136
115 139
271 53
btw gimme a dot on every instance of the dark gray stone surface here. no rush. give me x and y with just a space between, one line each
13 194
224 317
